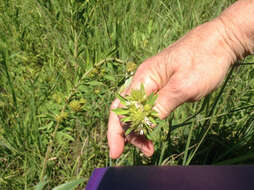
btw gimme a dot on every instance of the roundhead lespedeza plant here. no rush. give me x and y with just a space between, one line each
138 115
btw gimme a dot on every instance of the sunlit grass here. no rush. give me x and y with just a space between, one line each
63 61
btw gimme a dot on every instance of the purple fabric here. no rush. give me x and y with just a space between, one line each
173 177
96 178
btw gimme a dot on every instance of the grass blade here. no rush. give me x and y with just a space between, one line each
187 146
69 185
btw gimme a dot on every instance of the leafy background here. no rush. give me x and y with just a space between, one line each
61 63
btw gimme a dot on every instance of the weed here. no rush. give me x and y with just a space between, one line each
138 114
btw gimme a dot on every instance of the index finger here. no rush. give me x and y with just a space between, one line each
115 132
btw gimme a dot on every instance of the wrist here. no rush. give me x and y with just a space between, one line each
236 25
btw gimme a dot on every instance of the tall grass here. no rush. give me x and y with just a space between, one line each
63 61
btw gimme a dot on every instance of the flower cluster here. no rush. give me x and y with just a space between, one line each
77 105
61 116
138 114
131 66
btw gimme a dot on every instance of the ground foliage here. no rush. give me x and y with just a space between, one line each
61 63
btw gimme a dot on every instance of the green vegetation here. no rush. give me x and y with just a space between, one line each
61 63
138 114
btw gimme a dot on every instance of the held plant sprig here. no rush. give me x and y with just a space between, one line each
138 114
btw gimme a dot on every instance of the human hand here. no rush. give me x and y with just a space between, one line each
185 71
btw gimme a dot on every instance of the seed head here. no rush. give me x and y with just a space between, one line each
131 66
61 116
75 105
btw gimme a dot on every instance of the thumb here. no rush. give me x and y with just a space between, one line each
171 96
153 74
155 79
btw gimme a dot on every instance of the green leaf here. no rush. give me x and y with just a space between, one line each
109 77
149 137
152 120
128 131
95 83
123 100
6 144
69 185
142 88
121 111
145 131
125 85
152 98
62 137
126 119
154 113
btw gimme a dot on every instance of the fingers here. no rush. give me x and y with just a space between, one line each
149 85
153 75
140 141
116 139
115 133
175 93
166 102
163 80
148 74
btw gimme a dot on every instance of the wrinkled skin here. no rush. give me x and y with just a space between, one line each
186 71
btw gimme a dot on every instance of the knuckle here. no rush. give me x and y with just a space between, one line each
148 63
163 112
143 66
184 90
